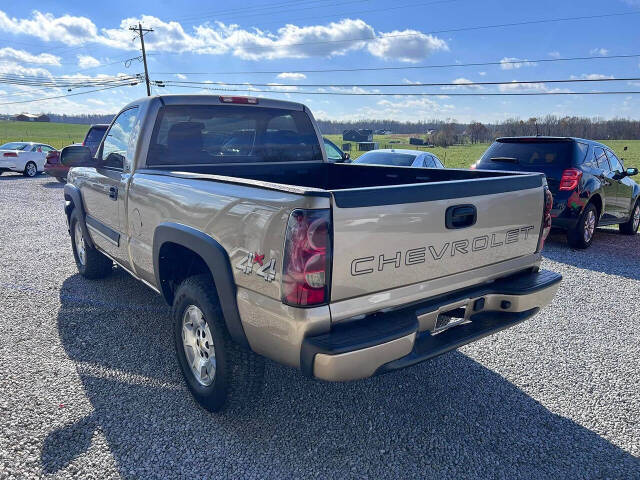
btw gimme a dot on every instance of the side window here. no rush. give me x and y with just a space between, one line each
437 163
600 159
616 165
333 154
46 148
37 148
116 141
428 161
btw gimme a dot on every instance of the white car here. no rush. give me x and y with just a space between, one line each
400 158
25 157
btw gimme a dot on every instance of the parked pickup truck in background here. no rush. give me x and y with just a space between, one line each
228 208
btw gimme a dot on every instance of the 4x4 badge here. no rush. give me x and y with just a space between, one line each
267 270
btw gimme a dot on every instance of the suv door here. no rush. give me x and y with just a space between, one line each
104 188
609 185
624 187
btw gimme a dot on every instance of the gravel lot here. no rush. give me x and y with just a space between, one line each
90 387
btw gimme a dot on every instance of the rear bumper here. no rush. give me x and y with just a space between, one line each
387 341
58 171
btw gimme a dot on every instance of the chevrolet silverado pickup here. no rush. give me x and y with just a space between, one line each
228 208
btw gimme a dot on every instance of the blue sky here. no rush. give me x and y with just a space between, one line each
88 39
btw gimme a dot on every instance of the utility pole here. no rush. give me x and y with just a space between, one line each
141 31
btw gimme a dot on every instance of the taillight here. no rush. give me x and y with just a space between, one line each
570 179
307 258
474 166
546 218
10 154
244 100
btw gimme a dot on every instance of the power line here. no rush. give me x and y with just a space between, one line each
409 67
67 95
442 84
141 32
410 94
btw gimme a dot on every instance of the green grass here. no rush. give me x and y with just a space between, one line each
57 135
458 156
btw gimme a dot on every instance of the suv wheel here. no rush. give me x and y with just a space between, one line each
582 234
219 373
30 169
90 262
631 227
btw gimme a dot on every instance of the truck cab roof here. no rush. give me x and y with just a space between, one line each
177 99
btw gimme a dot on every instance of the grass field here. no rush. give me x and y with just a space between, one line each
458 156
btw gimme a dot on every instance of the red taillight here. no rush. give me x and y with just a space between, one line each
245 100
52 157
546 218
570 179
307 257
474 166
10 154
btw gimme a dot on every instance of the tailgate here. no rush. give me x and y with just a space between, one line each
388 237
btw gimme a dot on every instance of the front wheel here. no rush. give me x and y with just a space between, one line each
90 262
219 373
631 227
582 234
30 169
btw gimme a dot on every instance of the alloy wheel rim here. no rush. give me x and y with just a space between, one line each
636 218
31 169
589 226
197 343
81 248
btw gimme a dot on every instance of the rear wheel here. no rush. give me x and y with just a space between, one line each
30 169
582 234
631 227
90 262
219 373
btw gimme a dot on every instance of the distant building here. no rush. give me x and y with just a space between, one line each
362 135
30 117
416 141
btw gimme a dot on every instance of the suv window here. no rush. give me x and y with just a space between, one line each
116 142
616 165
214 134
528 153
333 154
601 161
94 135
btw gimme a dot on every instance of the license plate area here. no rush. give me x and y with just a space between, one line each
450 318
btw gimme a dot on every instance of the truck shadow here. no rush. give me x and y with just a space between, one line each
451 417
610 253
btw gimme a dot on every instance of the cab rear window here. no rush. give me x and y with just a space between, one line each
215 134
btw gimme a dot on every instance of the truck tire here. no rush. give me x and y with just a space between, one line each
219 373
90 262
631 227
582 234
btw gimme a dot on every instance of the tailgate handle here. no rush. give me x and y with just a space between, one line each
461 216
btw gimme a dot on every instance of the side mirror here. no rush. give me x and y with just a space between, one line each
631 172
346 157
77 156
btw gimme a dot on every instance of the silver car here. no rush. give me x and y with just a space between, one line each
400 158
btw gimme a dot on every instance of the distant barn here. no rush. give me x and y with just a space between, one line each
30 117
362 135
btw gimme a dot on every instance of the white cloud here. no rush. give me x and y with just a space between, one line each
599 51
530 87
290 41
410 82
87 61
592 76
8 53
278 87
511 63
482 74
292 75
406 45
180 76
461 83
554 54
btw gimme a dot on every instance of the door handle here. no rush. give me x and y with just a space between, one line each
460 216
113 193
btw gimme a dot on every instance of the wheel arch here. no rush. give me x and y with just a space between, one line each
73 201
596 199
173 241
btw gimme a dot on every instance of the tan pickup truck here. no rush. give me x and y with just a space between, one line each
228 208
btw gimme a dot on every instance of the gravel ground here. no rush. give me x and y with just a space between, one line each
90 387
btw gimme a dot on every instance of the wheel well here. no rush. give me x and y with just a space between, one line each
597 202
175 264
68 206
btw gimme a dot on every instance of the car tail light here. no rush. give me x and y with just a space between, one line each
307 258
546 218
570 179
52 157
10 154
474 166
244 100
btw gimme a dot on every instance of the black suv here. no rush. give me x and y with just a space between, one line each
590 185
94 136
